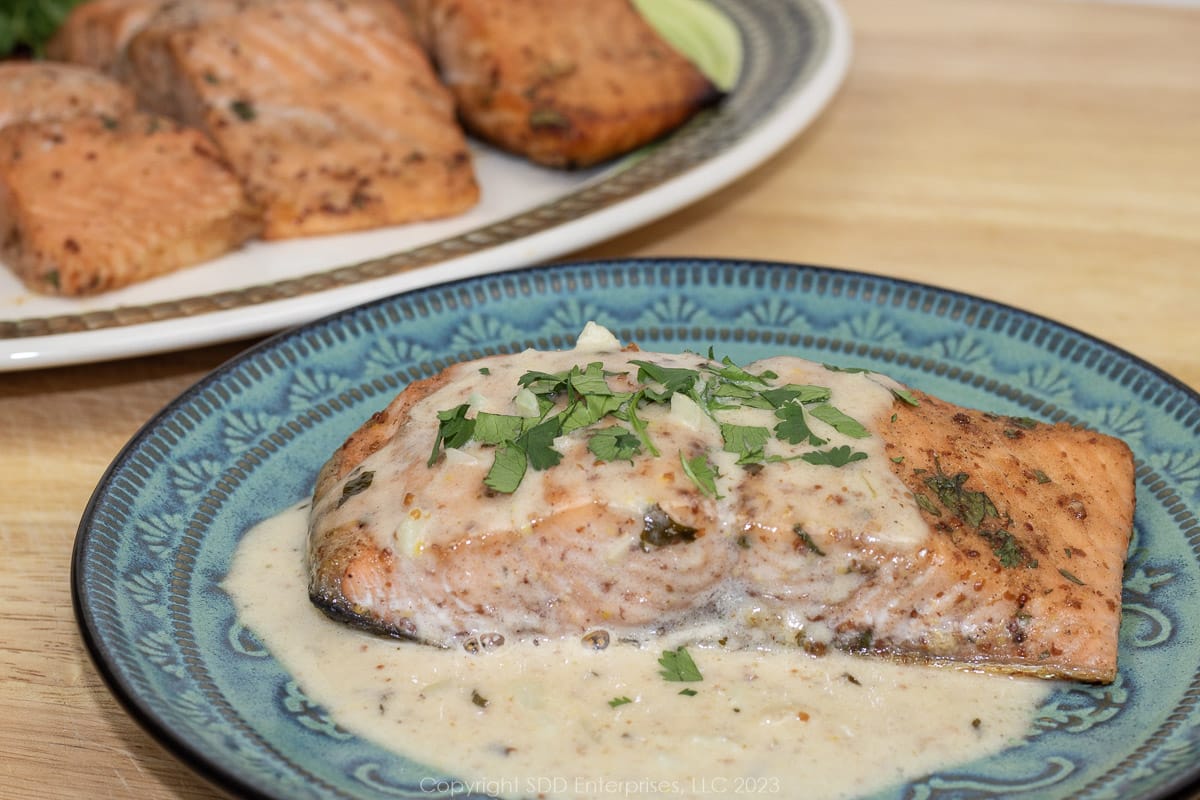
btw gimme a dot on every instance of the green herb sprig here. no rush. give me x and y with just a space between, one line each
677 665
581 397
27 25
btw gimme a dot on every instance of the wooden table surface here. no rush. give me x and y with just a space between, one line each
1043 154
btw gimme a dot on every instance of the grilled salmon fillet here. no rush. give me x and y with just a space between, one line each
31 91
564 84
94 203
329 112
96 32
786 503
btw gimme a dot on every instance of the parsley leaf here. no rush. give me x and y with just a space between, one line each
906 396
731 372
497 428
794 427
747 441
590 409
543 384
589 381
1070 577
659 529
454 430
614 443
806 540
507 470
702 473
971 506
356 485
843 424
677 665
834 457
538 444
672 379
619 701
801 393
630 415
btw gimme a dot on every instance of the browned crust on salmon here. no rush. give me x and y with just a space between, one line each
37 91
96 32
564 84
375 432
1045 600
329 112
93 203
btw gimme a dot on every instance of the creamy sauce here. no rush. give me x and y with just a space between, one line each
875 502
527 720
744 570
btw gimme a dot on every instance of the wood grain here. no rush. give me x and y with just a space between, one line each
1041 154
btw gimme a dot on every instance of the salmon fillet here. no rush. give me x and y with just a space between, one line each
564 84
94 203
781 504
31 91
329 112
96 32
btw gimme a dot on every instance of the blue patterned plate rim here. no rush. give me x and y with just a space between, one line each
946 342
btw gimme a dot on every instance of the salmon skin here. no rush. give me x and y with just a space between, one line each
781 504
564 84
328 111
93 203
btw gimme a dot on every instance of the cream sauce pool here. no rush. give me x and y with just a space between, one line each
561 720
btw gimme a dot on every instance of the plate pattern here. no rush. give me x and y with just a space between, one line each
246 442
783 43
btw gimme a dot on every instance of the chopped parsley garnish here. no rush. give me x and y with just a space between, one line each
614 443
793 427
906 396
1006 549
619 701
672 379
688 692
659 529
497 428
551 405
677 665
928 505
702 473
508 470
1070 577
356 485
479 699
834 456
975 508
970 506
840 422
748 441
454 430
807 541
244 110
